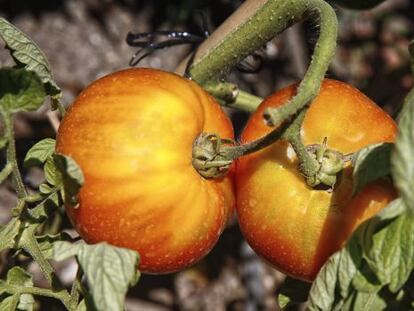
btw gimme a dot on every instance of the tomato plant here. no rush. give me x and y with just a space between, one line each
132 132
295 227
146 167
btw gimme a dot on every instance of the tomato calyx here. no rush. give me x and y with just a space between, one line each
331 163
209 156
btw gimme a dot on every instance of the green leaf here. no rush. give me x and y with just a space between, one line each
43 209
322 293
368 302
369 164
10 303
82 306
350 261
391 253
26 52
402 156
19 277
40 152
366 281
109 270
45 188
283 300
47 242
20 90
368 264
16 276
8 233
52 173
72 178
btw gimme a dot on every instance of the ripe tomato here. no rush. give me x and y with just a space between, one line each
131 133
294 227
359 4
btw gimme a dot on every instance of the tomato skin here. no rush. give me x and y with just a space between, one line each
132 132
292 226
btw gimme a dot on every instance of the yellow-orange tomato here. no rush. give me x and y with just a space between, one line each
292 226
131 133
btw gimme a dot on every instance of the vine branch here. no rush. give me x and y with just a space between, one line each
11 154
246 30
252 26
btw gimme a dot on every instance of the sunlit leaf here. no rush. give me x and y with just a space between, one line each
47 242
40 152
402 156
322 293
45 207
17 276
390 254
368 302
375 261
27 53
53 174
109 270
350 261
283 300
8 233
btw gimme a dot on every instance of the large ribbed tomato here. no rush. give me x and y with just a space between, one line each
131 133
294 227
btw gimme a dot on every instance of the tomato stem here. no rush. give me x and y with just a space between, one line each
57 105
308 165
212 156
309 87
229 95
250 27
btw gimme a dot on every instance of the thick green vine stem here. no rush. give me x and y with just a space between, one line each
255 23
249 28
310 85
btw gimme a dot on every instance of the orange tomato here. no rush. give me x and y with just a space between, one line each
292 226
131 133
